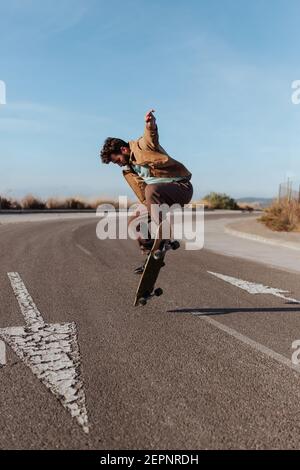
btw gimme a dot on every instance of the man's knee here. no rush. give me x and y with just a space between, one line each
151 194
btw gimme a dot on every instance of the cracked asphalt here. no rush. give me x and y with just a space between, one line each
158 377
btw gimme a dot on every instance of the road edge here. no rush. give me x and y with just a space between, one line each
259 238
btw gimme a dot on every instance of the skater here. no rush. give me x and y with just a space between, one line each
154 176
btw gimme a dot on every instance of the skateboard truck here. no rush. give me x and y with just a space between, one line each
168 245
156 293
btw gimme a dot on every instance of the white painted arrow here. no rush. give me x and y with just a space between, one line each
51 351
2 354
253 288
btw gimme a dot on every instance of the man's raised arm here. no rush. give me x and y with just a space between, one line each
151 132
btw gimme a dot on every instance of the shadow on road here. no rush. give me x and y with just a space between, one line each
225 311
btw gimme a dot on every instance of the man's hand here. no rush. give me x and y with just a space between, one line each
150 120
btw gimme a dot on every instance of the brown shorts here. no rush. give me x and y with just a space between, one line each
179 192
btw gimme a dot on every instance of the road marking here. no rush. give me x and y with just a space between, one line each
2 354
253 288
51 352
87 252
28 308
250 342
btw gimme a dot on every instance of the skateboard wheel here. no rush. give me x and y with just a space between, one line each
158 292
142 302
158 255
175 245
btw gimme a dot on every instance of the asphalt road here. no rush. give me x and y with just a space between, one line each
206 366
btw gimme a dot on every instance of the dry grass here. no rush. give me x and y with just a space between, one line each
31 202
71 203
9 203
245 206
212 204
206 204
282 216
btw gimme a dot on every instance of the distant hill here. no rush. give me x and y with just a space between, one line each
256 201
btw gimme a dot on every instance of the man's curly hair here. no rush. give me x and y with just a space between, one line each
111 146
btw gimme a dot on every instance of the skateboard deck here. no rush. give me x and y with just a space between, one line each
146 288
149 277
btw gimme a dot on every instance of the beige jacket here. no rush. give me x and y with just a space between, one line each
147 151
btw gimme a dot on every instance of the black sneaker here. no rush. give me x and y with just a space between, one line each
146 246
140 269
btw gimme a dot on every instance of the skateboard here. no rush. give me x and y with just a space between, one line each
155 261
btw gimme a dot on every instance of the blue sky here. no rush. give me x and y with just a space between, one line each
218 73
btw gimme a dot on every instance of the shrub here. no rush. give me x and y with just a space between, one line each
282 216
5 203
33 203
221 201
55 204
74 203
9 204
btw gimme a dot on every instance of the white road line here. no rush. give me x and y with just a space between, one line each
250 342
2 354
87 252
50 351
28 308
253 288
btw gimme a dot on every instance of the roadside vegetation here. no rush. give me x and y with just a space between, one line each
282 216
30 202
220 201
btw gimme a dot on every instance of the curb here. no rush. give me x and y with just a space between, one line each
258 238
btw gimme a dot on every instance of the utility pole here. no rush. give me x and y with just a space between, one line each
279 193
289 185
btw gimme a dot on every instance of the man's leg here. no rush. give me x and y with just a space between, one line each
140 222
179 193
164 193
